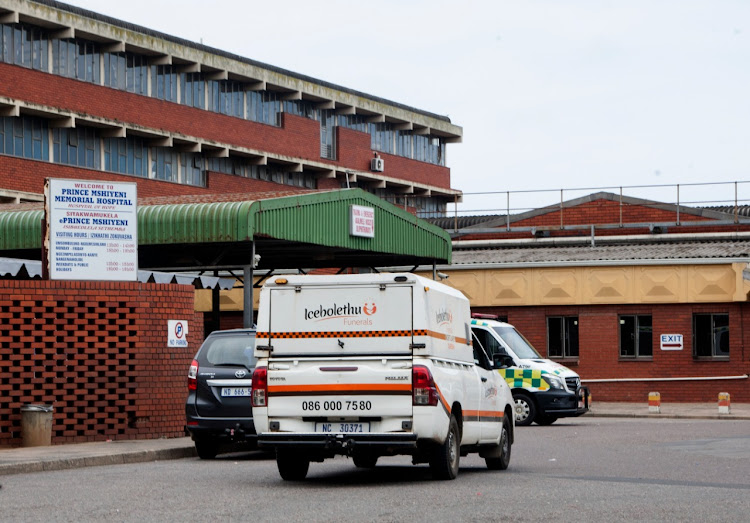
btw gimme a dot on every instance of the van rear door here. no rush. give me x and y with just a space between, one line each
340 320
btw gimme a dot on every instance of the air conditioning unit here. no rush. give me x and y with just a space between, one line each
377 165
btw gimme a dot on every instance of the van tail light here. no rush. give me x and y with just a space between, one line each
423 387
260 387
193 376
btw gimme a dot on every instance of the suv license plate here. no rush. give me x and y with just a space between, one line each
342 427
235 391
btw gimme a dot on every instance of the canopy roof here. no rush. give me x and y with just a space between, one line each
308 230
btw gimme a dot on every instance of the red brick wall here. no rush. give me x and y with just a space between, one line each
97 352
605 212
598 331
297 137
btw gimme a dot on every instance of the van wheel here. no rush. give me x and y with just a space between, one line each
445 458
292 466
545 420
525 410
501 462
206 449
365 461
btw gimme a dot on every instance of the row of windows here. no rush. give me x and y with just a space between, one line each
84 60
710 336
30 137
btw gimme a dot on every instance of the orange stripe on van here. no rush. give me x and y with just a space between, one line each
343 334
483 415
447 337
346 388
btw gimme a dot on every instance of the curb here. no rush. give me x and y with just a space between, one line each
728 417
94 461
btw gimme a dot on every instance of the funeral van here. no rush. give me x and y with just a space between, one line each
375 365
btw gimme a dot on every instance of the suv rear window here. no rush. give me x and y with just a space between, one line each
230 350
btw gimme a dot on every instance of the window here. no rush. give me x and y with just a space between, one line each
192 169
164 83
77 59
301 108
353 121
226 97
164 164
327 134
126 155
24 45
381 137
711 335
193 90
489 343
263 107
25 137
78 146
636 336
126 71
562 336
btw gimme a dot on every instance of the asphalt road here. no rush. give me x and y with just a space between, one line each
586 469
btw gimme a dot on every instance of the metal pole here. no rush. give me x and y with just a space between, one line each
620 206
736 208
678 204
455 213
561 209
247 290
507 211
434 270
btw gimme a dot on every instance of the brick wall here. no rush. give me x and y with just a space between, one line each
97 352
599 350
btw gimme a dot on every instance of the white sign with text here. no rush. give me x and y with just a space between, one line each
92 231
177 331
362 221
671 342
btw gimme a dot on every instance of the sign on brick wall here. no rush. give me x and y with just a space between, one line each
671 342
92 230
177 331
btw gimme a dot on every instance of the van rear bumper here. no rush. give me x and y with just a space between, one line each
339 443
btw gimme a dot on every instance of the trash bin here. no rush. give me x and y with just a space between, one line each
36 425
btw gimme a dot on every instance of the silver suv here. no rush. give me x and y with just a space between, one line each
218 409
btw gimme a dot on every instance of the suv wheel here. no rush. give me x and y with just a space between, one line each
206 449
525 410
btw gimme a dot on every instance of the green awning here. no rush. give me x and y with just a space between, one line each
305 230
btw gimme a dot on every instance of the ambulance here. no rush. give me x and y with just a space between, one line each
542 389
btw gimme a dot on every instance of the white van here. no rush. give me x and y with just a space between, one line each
543 390
374 365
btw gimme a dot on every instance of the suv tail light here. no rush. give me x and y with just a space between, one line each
260 387
423 387
193 376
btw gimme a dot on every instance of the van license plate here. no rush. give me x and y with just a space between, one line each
235 391
342 427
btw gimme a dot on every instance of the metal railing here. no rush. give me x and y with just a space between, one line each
720 196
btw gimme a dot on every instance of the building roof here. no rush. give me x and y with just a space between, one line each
634 253
131 36
298 231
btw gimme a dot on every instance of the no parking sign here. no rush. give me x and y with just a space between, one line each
177 333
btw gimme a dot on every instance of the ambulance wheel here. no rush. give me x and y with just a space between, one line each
525 410
501 462
445 457
292 466
544 420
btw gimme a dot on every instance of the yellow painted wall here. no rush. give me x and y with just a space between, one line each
601 285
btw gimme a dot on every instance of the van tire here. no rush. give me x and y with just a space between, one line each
365 461
446 456
292 465
206 449
503 460
525 409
